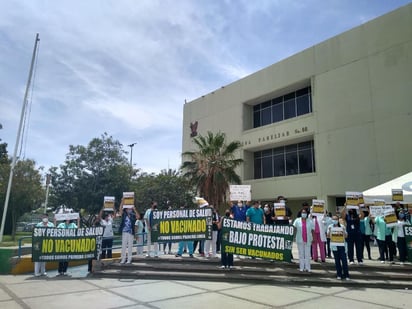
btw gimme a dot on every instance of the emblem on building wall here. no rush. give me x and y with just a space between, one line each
193 129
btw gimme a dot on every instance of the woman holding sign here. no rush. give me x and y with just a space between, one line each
337 234
304 230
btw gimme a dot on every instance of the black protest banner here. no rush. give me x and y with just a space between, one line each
408 238
272 242
181 225
57 244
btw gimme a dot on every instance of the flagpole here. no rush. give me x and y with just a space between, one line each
16 146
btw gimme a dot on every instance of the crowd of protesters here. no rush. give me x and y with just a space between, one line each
312 234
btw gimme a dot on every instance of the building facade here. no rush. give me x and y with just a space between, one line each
335 117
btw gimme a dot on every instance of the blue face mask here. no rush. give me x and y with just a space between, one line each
334 222
304 215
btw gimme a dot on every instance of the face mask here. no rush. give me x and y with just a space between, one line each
304 215
266 209
334 222
240 204
45 220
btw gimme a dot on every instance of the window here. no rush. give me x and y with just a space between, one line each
286 160
291 105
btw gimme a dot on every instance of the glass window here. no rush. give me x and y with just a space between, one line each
267 167
305 161
277 112
286 160
284 107
290 108
256 119
303 91
266 116
292 163
302 105
258 168
279 165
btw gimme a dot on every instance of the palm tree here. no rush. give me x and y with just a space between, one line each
212 168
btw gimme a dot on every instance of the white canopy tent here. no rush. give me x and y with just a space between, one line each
384 191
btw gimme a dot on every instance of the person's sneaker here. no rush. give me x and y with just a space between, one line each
231 267
401 263
351 262
37 275
191 255
222 267
339 278
170 252
178 255
382 262
347 278
360 263
44 274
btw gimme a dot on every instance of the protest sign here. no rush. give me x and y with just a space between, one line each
56 244
128 199
376 211
397 195
390 218
337 236
353 199
181 224
108 204
240 192
280 210
265 241
379 202
318 207
66 216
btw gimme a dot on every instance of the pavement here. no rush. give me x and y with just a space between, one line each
129 286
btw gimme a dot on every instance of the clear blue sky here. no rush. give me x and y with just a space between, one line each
126 67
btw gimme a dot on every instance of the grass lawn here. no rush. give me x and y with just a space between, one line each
8 242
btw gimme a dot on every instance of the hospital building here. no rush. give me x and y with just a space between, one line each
332 118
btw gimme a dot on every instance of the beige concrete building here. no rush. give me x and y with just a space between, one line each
335 117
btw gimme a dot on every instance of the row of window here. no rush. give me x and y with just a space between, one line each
286 160
284 107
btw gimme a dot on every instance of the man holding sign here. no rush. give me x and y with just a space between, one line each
127 226
337 235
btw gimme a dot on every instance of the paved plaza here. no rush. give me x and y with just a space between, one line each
25 291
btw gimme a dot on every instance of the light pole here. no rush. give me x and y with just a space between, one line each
131 153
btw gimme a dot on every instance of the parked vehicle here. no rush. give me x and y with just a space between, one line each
29 227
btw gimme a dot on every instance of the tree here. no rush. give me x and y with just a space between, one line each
211 169
26 192
89 173
169 188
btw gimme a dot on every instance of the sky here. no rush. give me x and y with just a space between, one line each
126 67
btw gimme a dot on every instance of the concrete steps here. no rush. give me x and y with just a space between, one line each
250 271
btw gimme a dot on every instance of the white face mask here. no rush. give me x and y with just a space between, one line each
45 220
266 209
304 215
240 204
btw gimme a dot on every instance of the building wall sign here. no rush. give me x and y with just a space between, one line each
276 136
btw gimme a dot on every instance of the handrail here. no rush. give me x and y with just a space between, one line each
20 242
